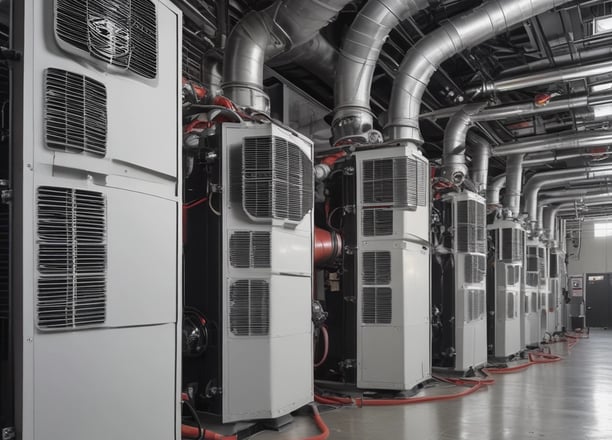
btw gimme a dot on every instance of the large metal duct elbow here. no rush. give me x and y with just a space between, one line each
454 36
557 178
558 141
549 220
360 51
514 184
261 35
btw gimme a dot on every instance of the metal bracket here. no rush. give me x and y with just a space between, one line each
8 433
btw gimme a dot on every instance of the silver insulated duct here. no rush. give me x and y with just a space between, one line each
360 51
454 36
558 141
261 35
557 178
458 125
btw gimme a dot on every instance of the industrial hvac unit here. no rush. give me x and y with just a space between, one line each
531 295
249 272
555 295
95 230
504 288
393 269
461 340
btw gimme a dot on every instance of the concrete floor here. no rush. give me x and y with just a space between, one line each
571 399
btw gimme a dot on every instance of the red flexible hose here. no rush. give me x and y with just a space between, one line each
325 347
360 402
320 424
194 432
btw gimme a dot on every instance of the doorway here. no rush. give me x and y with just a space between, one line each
598 301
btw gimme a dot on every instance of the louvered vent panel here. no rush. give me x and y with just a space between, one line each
376 305
470 234
71 258
397 182
376 268
475 268
542 268
75 113
475 308
512 244
122 33
276 179
551 302
512 276
510 297
250 249
543 300
482 303
532 259
377 222
532 279
534 301
4 262
554 266
249 308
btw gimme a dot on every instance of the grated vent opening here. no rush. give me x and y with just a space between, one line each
249 308
71 258
276 179
475 268
250 249
376 268
400 182
471 226
122 33
75 113
376 305
377 222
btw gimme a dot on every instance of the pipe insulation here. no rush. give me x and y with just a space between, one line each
481 152
261 35
358 57
558 141
494 189
514 184
423 59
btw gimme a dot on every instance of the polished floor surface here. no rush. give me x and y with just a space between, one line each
571 399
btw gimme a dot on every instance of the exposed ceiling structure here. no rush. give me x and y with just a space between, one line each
575 34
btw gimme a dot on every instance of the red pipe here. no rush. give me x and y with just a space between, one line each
194 432
325 334
361 402
320 424
331 160
327 246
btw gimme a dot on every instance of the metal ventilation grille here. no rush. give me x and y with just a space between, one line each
249 308
400 182
542 267
250 249
554 265
4 262
471 225
122 33
75 113
475 305
543 300
514 274
534 301
532 279
512 244
376 305
376 268
276 179
532 259
475 268
511 304
71 258
551 301
377 222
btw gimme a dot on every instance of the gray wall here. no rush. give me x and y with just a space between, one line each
595 254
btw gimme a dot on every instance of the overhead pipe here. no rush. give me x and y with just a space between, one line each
552 212
454 167
548 157
358 57
557 178
261 35
558 141
549 220
582 56
540 78
423 59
